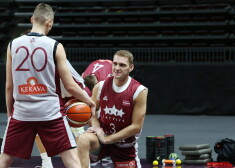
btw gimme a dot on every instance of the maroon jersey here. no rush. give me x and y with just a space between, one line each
116 104
99 68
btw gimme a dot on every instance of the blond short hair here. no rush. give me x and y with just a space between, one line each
42 13
127 54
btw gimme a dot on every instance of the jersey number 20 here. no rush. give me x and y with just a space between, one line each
31 56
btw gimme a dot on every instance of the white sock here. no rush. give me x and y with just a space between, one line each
46 161
77 131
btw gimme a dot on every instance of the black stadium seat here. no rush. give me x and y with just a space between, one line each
102 23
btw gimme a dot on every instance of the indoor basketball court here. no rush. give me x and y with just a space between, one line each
187 130
184 54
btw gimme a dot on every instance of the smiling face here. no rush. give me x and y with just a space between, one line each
121 67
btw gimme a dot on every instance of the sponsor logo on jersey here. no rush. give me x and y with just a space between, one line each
32 40
127 164
126 103
32 87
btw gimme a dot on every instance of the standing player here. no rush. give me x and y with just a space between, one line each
122 102
35 63
97 71
64 97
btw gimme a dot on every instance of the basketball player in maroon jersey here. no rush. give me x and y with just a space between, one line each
64 97
34 63
118 123
97 71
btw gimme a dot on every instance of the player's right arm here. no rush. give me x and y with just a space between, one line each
66 77
9 83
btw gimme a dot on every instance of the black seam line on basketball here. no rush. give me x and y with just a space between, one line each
74 122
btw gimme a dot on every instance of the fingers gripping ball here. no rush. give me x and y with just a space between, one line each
78 113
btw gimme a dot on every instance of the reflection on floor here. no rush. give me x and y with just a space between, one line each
57 163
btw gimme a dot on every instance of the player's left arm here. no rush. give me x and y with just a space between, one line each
138 116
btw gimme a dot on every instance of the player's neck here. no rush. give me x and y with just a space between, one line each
39 30
120 82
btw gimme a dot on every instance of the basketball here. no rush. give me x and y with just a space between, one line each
78 113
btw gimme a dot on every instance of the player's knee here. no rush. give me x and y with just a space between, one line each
85 140
70 158
6 159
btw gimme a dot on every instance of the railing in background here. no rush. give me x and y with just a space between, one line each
160 55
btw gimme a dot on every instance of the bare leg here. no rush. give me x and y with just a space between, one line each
5 160
70 158
86 142
39 144
46 161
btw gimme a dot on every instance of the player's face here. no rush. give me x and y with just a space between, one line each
121 67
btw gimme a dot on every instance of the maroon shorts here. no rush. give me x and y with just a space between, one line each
117 154
19 137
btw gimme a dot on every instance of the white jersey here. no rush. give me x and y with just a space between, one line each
77 78
34 76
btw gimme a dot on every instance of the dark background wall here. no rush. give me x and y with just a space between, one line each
184 49
178 88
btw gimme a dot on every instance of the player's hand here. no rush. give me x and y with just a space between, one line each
92 130
101 135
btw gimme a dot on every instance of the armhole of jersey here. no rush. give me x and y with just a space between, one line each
101 84
138 90
54 50
10 45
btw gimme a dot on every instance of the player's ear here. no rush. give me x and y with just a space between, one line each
49 23
31 20
131 67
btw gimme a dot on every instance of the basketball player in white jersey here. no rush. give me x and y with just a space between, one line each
35 63
122 103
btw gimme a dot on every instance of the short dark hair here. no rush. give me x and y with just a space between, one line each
90 81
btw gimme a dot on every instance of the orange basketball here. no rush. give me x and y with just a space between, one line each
78 113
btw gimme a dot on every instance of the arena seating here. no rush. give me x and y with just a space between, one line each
132 24
187 44
94 22
5 23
